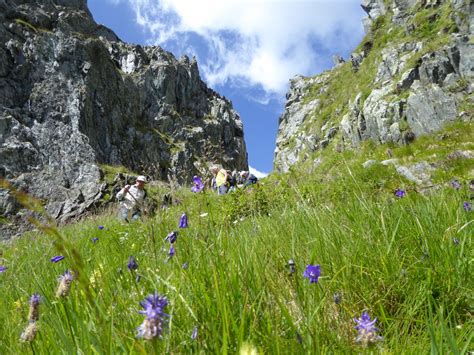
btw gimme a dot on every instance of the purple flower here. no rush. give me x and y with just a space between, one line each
183 221
35 300
400 193
33 315
101 227
172 237
132 263
94 240
455 184
185 265
171 252
337 297
194 334
467 206
57 258
198 185
312 273
3 268
367 330
155 317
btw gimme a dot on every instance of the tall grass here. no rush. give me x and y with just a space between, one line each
406 261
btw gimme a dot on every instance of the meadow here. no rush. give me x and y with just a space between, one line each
235 282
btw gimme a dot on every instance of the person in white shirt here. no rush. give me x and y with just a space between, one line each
131 198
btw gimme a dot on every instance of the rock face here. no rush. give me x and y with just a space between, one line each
411 75
74 96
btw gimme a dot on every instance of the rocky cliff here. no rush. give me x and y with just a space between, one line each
412 73
73 96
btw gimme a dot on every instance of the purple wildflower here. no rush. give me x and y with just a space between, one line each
337 297
400 193
367 330
455 184
33 315
95 240
467 206
155 320
312 273
132 263
198 185
3 268
172 237
183 221
194 334
35 299
171 252
185 265
57 258
101 227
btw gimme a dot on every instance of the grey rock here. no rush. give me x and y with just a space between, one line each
428 108
337 59
295 114
356 60
419 173
368 163
387 162
407 79
373 8
73 96
461 154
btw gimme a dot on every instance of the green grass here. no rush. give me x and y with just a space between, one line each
394 258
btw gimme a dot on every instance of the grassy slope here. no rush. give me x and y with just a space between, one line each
393 257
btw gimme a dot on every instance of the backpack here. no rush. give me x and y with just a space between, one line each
252 179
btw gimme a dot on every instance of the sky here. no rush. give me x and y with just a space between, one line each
247 50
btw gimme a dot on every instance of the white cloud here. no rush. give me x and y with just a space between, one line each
253 42
257 173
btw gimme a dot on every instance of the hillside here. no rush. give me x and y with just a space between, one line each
412 74
236 276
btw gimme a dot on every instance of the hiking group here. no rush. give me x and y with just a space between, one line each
224 181
132 197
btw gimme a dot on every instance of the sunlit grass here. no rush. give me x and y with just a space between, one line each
395 258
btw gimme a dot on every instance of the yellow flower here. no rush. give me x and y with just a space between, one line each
248 349
18 304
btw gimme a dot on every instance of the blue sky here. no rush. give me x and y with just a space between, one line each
247 50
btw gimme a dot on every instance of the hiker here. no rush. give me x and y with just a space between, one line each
247 179
131 199
221 177
241 178
232 180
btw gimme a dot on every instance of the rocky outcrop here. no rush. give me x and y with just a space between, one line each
73 96
411 85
